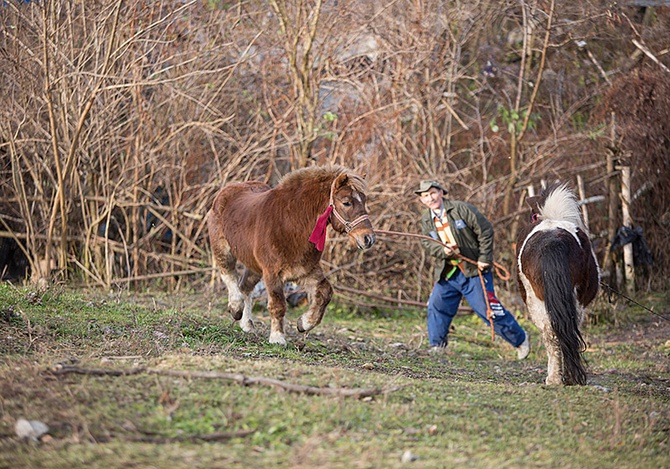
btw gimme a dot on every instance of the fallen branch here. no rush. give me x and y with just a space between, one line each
162 440
380 297
236 377
421 304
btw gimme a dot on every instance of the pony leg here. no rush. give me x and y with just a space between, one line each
320 292
225 261
277 309
236 299
248 282
538 314
246 322
554 358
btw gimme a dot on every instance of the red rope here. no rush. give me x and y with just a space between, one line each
489 311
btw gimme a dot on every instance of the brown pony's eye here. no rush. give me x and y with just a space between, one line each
346 203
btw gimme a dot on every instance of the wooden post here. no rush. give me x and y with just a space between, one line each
515 224
629 269
582 198
610 267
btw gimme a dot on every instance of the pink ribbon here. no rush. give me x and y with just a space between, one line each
318 236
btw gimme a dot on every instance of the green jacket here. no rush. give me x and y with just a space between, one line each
473 233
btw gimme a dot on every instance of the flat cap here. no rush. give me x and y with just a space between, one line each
425 185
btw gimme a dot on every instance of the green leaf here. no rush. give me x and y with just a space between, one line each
329 116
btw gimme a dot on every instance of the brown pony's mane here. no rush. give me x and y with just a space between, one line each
295 203
296 179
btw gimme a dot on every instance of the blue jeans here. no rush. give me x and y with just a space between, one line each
444 301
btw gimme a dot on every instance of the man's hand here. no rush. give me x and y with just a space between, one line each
483 265
451 250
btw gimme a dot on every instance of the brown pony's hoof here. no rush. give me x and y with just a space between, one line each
277 338
302 327
236 314
299 325
248 326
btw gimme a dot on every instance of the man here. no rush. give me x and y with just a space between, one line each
469 234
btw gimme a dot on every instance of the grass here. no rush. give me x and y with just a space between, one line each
474 406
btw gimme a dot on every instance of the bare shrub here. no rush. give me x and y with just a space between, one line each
119 122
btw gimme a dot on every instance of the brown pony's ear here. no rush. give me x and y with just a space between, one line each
341 180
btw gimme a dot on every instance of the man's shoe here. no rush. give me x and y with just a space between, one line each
523 350
437 349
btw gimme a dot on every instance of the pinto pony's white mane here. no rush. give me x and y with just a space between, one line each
561 205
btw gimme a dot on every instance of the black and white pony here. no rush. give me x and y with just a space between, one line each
558 277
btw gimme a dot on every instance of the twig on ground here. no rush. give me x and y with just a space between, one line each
160 439
236 377
156 438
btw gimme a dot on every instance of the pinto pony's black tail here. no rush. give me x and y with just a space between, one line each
560 301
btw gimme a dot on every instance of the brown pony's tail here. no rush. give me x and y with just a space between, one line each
560 302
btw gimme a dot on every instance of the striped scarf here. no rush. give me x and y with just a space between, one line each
443 229
447 237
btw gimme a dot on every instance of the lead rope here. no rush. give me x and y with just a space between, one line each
489 311
500 271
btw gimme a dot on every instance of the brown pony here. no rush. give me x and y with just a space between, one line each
278 234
